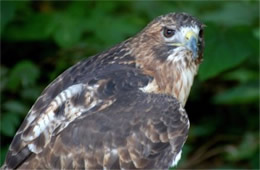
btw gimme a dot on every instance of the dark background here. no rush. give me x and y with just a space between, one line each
39 40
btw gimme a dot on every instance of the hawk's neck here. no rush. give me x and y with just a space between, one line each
170 77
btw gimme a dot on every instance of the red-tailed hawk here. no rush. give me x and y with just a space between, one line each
122 108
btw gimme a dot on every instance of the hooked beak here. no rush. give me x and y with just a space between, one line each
192 43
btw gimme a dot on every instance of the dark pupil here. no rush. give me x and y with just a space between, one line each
168 32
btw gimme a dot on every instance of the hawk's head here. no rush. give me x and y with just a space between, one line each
170 49
171 34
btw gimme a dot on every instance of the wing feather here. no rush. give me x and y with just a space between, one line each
104 122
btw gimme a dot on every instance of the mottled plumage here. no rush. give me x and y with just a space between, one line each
123 108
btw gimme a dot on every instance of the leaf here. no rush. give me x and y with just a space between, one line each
15 107
24 73
3 154
223 51
254 161
242 94
233 14
245 150
158 8
69 30
256 33
117 32
9 123
78 8
202 130
38 26
4 77
242 75
122 28
7 13
31 93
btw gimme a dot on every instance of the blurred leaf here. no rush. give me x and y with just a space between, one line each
69 29
3 154
31 93
157 7
4 78
7 13
78 8
242 75
241 94
31 28
70 24
106 6
254 160
117 28
9 123
24 73
223 51
256 33
234 14
118 31
246 149
202 130
15 107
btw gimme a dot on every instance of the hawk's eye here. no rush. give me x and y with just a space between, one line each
167 32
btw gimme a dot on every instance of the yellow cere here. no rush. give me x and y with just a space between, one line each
190 34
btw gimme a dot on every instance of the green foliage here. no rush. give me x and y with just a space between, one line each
24 74
41 39
9 124
15 106
234 14
7 12
243 151
226 50
241 94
